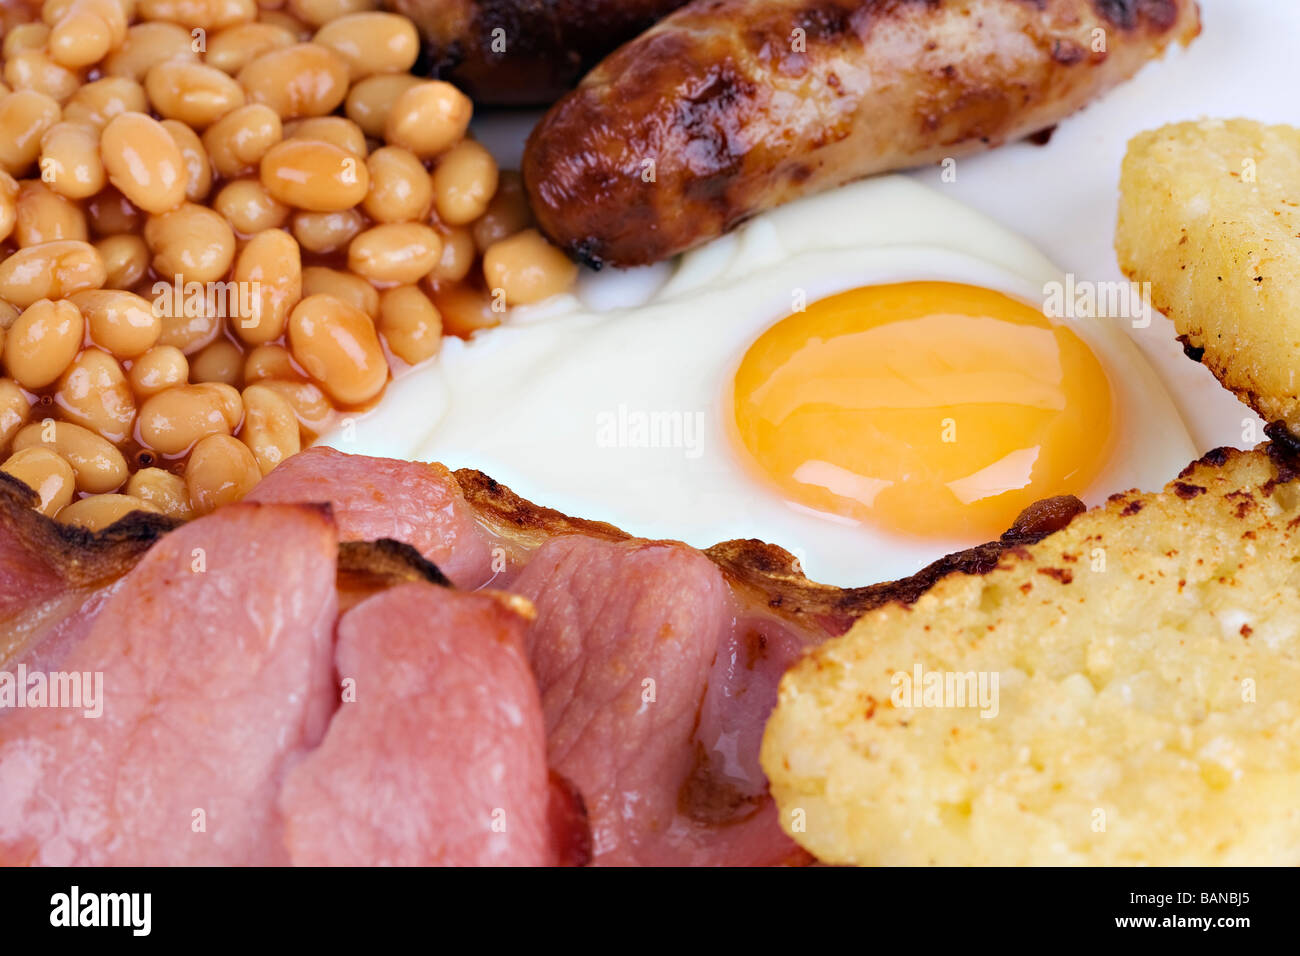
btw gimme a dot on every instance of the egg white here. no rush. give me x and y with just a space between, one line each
548 402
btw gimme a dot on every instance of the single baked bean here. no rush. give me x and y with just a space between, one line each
125 257
187 332
94 394
43 471
270 267
312 408
409 324
96 103
110 213
463 183
25 37
238 141
149 43
370 102
112 12
527 268
120 322
305 79
320 12
228 398
337 345
428 118
400 187
326 232
198 167
52 270
43 342
372 43
207 14
163 490
101 511
343 133
98 466
222 361
464 309
8 204
81 38
282 18
270 361
344 286
458 254
161 368
70 160
25 115
45 216
270 427
14 411
315 176
143 162
8 316
171 421
234 47
506 214
249 207
34 70
395 252
192 242
196 94
221 470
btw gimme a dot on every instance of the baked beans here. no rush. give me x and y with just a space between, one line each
337 345
305 79
395 252
51 270
43 471
96 463
237 142
102 511
278 209
400 187
25 115
163 490
93 393
409 324
527 269
270 427
160 368
428 118
196 94
463 183
70 160
372 43
143 162
315 176
45 216
125 258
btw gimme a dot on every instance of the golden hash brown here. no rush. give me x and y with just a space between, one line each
1148 697
1210 215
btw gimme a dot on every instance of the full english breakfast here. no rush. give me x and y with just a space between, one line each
692 493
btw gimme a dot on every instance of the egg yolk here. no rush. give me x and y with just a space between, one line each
928 408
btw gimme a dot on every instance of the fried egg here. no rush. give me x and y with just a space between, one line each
866 378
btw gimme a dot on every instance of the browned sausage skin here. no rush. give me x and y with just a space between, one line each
731 107
525 52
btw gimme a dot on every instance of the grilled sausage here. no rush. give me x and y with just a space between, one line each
525 52
730 107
